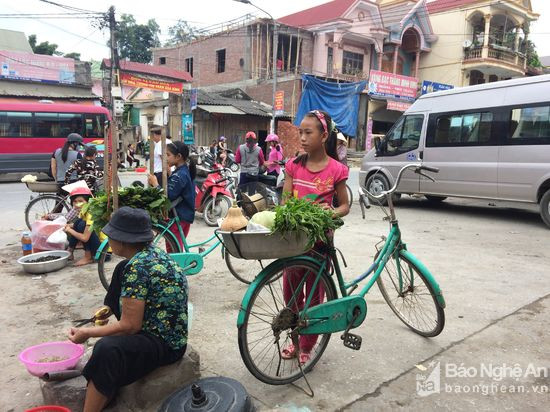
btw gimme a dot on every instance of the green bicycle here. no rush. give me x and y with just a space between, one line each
190 258
277 318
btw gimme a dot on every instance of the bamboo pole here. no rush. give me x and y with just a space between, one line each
151 155
289 55
268 53
106 159
164 164
114 165
258 52
298 46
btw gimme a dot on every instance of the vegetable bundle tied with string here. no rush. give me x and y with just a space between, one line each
151 199
305 216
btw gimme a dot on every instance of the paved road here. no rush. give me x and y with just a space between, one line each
492 263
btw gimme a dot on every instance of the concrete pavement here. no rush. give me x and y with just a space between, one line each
492 262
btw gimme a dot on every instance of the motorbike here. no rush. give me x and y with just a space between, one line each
213 194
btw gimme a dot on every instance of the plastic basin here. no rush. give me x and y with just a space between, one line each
140 169
67 350
49 408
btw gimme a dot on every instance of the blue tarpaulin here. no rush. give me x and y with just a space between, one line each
340 100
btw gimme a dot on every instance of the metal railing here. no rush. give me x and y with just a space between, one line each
473 54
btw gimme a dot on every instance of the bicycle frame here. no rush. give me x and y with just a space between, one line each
392 248
165 229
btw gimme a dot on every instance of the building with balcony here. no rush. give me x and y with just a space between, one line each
480 41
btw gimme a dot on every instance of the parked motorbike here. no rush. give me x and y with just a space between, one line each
213 196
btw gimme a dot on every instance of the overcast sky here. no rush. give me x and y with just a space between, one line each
80 36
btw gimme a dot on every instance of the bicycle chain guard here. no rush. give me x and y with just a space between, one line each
334 316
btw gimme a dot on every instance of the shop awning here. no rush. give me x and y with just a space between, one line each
220 109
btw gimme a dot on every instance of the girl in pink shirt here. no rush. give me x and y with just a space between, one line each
317 175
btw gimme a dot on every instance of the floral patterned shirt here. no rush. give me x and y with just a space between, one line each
154 277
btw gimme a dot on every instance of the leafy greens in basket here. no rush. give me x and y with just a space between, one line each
306 216
151 199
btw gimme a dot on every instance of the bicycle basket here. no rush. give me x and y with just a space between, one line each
262 245
42 187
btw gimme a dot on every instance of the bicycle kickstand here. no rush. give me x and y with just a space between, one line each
350 340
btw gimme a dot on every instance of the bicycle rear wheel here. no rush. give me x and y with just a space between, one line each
43 205
269 321
108 261
415 302
245 270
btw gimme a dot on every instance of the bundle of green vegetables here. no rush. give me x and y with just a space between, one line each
306 216
151 199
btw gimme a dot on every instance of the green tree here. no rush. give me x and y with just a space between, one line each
532 55
43 48
181 32
50 49
72 55
136 40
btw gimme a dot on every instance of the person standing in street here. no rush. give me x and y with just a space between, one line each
251 157
275 155
157 159
342 148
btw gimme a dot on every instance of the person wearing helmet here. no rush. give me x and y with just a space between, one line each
86 169
80 230
251 157
275 155
64 157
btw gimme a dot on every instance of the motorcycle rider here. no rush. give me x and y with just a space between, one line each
251 157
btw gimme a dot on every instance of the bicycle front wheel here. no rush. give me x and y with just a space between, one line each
245 270
108 261
411 297
350 196
43 205
272 316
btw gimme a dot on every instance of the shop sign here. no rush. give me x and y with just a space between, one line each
160 85
187 128
36 67
279 103
393 86
398 105
429 87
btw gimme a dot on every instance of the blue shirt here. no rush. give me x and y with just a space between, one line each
181 186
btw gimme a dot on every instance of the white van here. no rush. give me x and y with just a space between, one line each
490 141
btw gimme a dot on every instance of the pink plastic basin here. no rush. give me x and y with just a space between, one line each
69 350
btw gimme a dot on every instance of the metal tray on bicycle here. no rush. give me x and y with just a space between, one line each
262 245
42 187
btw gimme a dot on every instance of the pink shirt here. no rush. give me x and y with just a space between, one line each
275 156
306 182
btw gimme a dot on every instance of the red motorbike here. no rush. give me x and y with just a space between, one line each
213 194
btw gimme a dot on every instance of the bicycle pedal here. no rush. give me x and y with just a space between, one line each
352 341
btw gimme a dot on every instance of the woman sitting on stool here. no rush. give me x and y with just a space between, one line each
151 326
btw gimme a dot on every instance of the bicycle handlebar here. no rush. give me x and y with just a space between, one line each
418 169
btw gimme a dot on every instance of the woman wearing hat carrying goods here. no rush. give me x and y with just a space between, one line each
148 296
251 157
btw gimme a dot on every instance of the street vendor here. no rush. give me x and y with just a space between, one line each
148 296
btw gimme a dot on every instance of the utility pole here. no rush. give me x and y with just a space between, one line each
274 63
114 84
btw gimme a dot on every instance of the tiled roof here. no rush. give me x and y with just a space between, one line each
319 14
51 91
150 69
250 107
443 5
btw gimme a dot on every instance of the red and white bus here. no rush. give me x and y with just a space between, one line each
30 132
